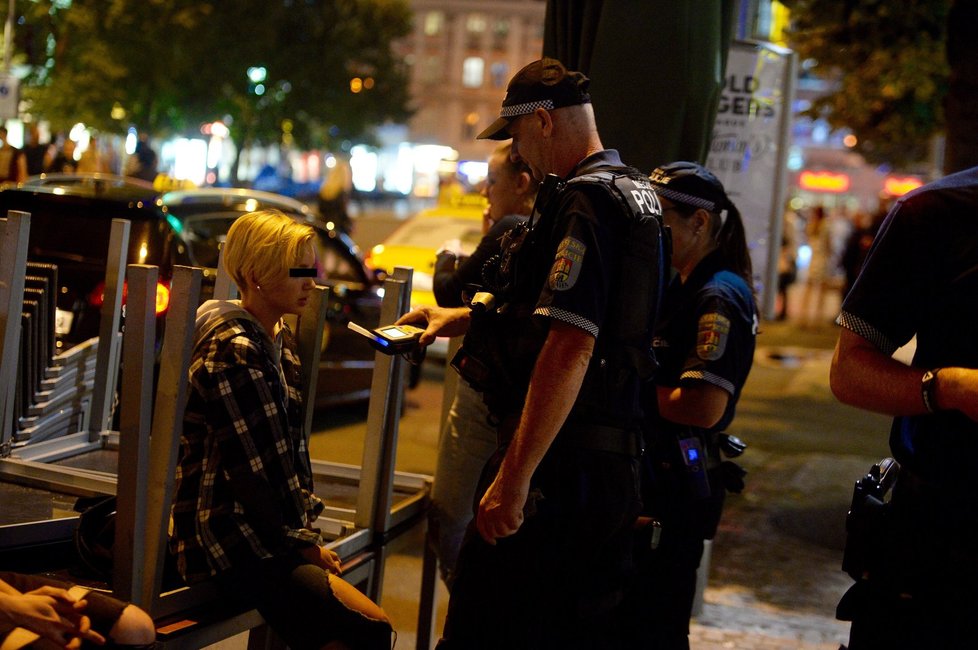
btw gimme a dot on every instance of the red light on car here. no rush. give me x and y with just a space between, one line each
97 296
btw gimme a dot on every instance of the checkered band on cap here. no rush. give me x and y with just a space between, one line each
688 199
528 107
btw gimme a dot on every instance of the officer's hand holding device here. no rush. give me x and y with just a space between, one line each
393 339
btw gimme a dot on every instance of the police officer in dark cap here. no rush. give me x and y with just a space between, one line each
704 342
559 349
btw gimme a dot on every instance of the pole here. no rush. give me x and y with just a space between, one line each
8 37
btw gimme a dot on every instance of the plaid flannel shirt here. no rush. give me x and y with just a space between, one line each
244 481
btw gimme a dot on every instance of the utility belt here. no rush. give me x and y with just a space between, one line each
581 436
919 542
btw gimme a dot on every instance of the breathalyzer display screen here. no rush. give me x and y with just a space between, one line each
393 332
692 455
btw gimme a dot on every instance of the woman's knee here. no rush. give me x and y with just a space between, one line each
134 627
353 599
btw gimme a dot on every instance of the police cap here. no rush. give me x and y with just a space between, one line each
545 83
690 184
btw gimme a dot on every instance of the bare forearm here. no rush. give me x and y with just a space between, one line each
556 381
700 405
864 377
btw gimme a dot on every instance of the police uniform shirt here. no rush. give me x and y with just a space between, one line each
579 275
706 334
921 277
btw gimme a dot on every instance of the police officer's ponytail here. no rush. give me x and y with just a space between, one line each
732 242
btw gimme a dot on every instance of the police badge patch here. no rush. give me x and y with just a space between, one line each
567 264
711 336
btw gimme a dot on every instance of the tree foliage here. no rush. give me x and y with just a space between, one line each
888 64
167 66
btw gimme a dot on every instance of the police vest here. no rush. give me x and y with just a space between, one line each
646 251
500 349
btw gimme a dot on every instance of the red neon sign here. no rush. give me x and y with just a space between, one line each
823 182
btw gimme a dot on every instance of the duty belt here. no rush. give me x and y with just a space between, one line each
593 437
599 437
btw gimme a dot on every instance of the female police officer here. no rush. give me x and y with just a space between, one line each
704 342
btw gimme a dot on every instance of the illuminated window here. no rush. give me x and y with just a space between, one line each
500 34
500 75
476 23
472 70
433 23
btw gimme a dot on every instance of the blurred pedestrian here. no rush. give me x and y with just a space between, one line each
787 261
469 438
914 559
244 509
704 342
36 153
818 236
92 159
43 613
334 195
142 164
64 161
13 166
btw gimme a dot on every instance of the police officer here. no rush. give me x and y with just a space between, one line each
543 565
918 585
704 342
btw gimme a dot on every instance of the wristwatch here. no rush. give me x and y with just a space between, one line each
928 389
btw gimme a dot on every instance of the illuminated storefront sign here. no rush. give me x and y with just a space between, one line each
898 186
823 181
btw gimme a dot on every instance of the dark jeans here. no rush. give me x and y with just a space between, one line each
557 582
296 600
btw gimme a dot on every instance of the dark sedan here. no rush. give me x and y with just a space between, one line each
70 222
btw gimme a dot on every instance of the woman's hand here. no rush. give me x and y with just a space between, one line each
324 558
53 613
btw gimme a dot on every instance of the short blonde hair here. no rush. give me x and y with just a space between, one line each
263 245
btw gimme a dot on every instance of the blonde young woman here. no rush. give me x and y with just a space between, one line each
244 509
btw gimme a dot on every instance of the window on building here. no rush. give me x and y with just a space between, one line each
431 72
473 69
434 22
499 72
475 27
500 34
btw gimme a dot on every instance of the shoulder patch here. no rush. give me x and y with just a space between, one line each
567 264
711 336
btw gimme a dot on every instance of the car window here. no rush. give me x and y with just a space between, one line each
334 262
432 232
205 233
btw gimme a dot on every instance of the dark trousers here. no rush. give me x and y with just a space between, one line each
659 598
557 582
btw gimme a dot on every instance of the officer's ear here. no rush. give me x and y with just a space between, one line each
545 121
700 221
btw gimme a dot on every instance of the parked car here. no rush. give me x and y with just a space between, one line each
70 225
416 242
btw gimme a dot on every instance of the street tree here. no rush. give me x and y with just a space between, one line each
886 61
321 71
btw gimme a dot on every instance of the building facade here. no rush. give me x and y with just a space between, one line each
462 54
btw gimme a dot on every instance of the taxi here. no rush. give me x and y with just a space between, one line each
455 221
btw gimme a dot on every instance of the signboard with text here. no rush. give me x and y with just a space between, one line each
749 148
9 96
